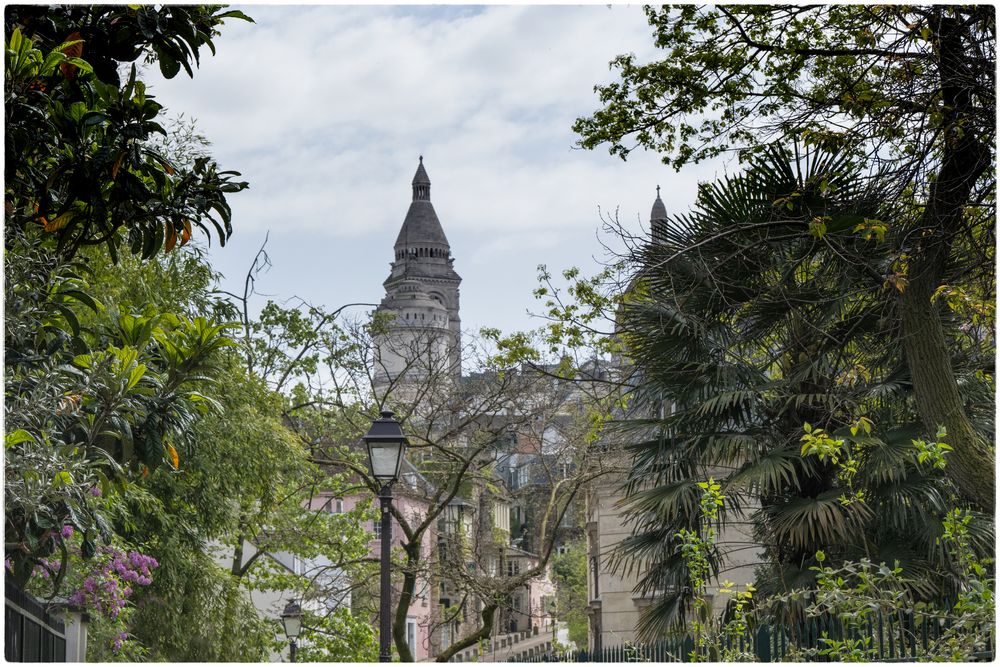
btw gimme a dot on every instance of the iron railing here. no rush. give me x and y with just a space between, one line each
31 633
902 637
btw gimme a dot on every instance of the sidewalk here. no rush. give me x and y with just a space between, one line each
518 645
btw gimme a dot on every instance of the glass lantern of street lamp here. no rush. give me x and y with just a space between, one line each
386 443
291 619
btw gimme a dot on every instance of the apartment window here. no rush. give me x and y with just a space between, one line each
451 519
501 515
377 529
334 506
513 568
423 592
411 635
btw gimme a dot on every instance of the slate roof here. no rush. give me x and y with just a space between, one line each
421 176
421 226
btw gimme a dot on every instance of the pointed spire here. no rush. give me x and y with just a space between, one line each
421 183
421 227
659 211
658 218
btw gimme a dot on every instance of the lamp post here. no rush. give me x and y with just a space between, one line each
385 443
291 619
552 621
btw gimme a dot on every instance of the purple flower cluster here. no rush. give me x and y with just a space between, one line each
47 567
108 586
119 639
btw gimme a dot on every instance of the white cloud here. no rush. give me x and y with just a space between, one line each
325 108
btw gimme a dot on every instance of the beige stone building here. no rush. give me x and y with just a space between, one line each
614 605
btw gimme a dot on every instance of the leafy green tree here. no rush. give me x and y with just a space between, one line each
338 636
569 571
80 162
88 407
764 353
246 488
109 434
92 400
460 434
911 90
747 320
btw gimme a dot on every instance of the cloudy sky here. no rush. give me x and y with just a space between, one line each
324 109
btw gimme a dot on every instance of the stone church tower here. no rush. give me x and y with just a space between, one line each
421 332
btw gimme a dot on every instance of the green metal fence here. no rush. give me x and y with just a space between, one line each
886 638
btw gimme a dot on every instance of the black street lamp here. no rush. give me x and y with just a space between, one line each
291 619
553 608
385 443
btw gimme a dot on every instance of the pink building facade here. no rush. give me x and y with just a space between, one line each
419 616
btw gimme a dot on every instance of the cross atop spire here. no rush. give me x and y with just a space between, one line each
657 189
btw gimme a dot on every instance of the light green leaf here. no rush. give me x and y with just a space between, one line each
17 437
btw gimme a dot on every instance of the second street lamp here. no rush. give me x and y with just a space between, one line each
291 620
386 444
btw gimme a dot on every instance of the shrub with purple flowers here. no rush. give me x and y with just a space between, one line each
102 585
108 586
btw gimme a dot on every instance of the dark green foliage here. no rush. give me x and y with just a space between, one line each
93 396
196 612
753 318
79 159
569 572
93 390
909 91
740 76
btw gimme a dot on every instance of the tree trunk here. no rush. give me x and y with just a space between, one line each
970 465
483 633
939 403
237 567
405 598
